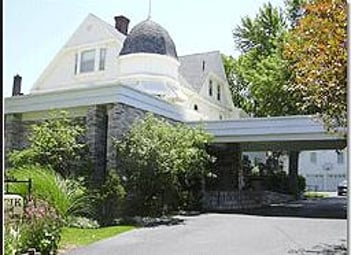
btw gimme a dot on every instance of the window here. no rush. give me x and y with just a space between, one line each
313 157
102 59
196 107
210 88
87 61
218 92
220 117
76 64
340 158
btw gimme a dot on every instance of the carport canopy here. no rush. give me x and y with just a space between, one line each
290 133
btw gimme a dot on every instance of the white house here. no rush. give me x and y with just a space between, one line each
109 76
323 170
144 59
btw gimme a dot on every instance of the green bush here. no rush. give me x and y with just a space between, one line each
68 197
279 182
301 183
11 238
162 166
109 198
55 142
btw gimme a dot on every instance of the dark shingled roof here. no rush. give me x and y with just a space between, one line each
149 37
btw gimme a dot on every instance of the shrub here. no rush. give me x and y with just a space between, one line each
279 182
162 166
109 198
55 143
301 183
41 228
82 222
67 197
12 235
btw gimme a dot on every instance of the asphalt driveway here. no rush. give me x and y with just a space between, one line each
228 234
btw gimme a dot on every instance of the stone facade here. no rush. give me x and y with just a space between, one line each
102 124
120 119
236 200
96 139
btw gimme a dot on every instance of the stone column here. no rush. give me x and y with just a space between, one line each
293 172
13 133
120 119
96 123
227 166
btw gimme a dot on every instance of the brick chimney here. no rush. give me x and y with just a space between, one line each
16 89
122 24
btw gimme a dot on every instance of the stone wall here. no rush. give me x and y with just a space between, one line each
96 139
120 119
16 134
235 200
102 123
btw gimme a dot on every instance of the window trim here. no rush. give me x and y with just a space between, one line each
102 59
100 56
90 61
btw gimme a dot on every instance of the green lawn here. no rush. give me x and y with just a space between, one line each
73 237
313 195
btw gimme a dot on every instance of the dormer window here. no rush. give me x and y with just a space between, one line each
87 61
218 92
210 88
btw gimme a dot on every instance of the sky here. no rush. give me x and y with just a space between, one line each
35 30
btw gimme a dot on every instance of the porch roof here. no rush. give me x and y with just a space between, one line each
274 133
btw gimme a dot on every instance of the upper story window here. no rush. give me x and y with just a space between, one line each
340 158
102 59
218 92
196 108
210 88
87 61
313 157
90 61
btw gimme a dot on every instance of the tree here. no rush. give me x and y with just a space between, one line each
259 77
162 166
316 49
54 143
294 11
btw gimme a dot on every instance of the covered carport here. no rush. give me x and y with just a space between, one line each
291 134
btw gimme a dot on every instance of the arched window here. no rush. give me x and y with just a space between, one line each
196 107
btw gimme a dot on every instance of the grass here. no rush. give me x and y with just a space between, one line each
74 237
313 195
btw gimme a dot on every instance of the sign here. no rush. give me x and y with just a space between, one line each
14 205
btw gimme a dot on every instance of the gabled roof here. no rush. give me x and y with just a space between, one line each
196 67
103 30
